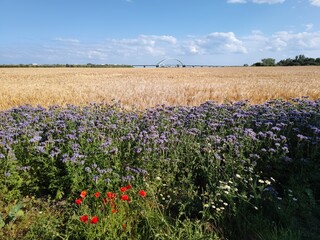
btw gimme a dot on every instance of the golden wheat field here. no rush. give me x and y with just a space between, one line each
142 88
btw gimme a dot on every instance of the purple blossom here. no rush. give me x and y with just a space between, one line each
35 139
142 171
107 180
114 150
285 149
250 133
94 165
254 156
288 159
277 129
215 132
40 149
25 168
95 178
127 178
106 143
271 190
302 137
272 150
138 150
71 136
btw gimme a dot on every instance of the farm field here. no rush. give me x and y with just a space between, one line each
192 168
143 88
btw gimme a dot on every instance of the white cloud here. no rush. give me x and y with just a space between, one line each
96 54
162 38
153 45
255 42
289 41
315 2
215 43
218 48
194 49
281 45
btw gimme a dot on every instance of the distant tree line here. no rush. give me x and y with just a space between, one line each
89 65
299 60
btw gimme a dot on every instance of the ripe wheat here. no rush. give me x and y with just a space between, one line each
142 88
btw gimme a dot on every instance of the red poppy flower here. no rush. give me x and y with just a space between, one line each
123 189
83 194
111 195
113 210
79 201
84 218
125 197
97 194
94 220
142 193
128 186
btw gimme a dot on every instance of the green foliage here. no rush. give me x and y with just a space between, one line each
14 213
232 171
299 60
89 65
268 62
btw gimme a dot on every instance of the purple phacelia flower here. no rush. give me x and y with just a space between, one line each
25 168
250 133
114 150
254 156
277 129
301 137
271 190
287 159
142 171
138 150
40 149
127 178
35 139
272 150
107 143
95 178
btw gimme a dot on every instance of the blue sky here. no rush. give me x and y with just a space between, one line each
217 32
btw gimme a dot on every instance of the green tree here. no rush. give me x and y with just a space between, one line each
268 62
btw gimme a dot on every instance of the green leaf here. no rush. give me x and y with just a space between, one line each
15 212
15 208
2 223
20 213
59 194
